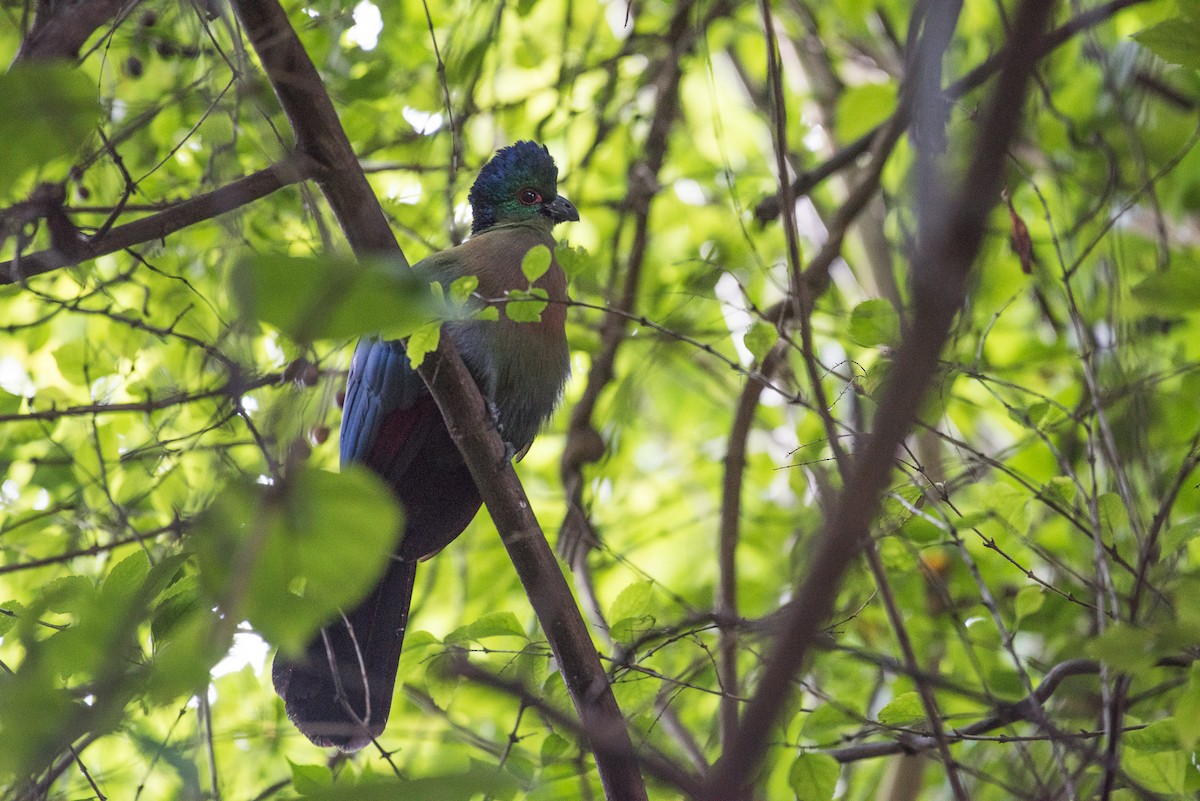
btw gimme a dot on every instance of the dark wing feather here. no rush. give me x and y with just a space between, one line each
339 691
383 394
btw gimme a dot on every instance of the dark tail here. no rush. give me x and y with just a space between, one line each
339 692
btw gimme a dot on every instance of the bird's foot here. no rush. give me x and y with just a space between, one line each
510 450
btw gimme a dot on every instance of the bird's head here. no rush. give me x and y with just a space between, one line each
519 183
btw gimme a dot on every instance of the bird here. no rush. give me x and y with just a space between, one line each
338 691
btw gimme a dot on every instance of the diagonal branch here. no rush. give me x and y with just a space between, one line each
950 238
61 29
203 207
770 207
319 135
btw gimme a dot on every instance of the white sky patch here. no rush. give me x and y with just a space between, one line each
423 122
368 24
690 192
248 649
274 349
737 319
809 223
401 188
618 17
14 378
462 214
815 139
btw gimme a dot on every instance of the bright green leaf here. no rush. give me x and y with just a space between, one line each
574 261
814 777
526 307
632 601
281 552
760 339
494 624
1162 772
874 322
1173 40
902 710
47 112
1028 601
328 297
863 107
1157 737
553 747
536 262
1187 710
307 779
422 342
1176 291
1124 648
461 289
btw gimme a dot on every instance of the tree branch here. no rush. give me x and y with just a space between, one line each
950 238
233 196
319 135
61 29
770 207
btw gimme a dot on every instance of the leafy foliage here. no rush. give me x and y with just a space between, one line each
168 405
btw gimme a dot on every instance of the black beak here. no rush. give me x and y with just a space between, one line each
560 210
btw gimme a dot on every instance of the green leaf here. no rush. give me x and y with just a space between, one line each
1028 601
1162 772
461 289
422 342
824 722
553 747
1187 710
479 779
1173 40
573 260
328 297
874 322
760 339
1157 737
814 777
520 767
127 576
904 709
536 262
1176 291
1060 488
67 594
526 307
495 624
1124 648
307 779
631 612
47 113
633 601
281 554
861 108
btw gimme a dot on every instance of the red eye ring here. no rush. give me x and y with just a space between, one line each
529 197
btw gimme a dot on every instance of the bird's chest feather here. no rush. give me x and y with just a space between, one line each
520 366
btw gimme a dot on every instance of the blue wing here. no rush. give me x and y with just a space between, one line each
384 420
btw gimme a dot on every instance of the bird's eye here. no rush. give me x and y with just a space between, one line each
529 197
